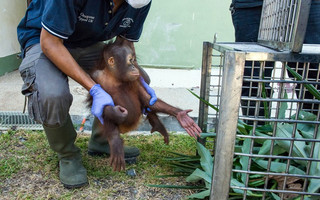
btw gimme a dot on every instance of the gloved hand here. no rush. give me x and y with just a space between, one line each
150 91
100 99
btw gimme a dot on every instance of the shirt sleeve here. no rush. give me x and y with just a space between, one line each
134 32
60 17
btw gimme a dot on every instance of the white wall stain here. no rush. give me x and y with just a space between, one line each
155 55
172 27
152 27
170 43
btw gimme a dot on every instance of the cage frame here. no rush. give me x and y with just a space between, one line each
235 55
294 20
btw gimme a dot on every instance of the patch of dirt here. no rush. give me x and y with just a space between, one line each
31 184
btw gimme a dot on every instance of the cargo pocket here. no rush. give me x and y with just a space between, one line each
28 75
29 89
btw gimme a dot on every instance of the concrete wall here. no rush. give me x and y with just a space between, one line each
175 30
172 37
11 12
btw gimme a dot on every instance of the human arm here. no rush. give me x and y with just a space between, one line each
57 53
55 50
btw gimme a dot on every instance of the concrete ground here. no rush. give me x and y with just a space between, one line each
170 85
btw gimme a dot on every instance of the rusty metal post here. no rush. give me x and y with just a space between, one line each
227 126
205 85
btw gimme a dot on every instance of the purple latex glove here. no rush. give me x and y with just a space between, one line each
150 91
100 99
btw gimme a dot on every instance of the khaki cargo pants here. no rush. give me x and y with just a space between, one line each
47 88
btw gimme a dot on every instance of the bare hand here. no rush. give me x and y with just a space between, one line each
188 124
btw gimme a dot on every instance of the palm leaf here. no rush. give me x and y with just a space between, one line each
176 186
200 195
309 87
206 160
204 101
314 184
285 130
278 167
198 175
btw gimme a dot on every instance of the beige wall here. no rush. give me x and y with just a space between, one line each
11 12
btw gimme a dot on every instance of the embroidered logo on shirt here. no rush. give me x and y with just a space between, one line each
126 22
85 18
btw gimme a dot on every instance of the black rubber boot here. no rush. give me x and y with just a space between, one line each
98 146
61 140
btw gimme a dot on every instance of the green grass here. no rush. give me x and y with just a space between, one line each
29 169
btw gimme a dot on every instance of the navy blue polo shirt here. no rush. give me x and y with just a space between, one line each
246 3
80 23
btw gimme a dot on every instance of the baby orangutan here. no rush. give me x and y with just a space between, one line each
118 76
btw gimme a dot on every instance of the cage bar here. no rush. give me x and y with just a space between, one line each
283 24
290 108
